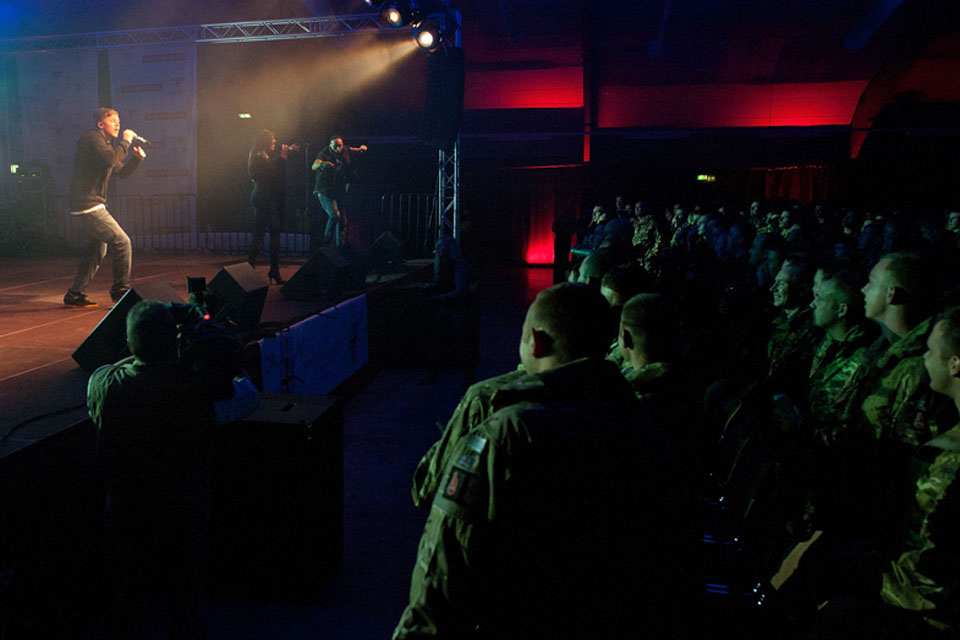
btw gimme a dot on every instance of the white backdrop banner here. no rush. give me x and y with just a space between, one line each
154 88
58 95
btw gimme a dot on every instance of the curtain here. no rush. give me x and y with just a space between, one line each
806 184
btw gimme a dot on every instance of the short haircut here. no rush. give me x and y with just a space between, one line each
627 279
914 275
831 265
596 265
951 330
577 318
151 331
102 113
652 321
799 268
847 285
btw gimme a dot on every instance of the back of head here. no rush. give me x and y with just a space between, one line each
577 318
625 281
846 286
653 323
917 280
152 331
951 330
597 264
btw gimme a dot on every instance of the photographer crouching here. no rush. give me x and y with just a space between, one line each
153 413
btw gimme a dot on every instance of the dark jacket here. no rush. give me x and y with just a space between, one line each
93 165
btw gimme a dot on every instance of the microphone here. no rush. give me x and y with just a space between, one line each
140 142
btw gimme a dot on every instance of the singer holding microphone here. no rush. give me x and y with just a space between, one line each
335 170
100 152
268 197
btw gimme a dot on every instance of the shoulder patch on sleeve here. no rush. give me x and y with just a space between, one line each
462 491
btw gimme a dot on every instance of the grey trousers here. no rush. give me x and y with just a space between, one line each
103 232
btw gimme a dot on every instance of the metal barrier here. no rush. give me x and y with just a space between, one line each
411 217
169 223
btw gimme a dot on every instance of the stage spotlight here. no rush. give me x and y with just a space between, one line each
429 35
393 15
399 13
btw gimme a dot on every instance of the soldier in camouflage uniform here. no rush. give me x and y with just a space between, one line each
891 409
647 338
838 310
533 532
619 285
646 237
920 586
926 576
894 402
792 336
473 409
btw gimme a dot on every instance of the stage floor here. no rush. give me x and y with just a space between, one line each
42 389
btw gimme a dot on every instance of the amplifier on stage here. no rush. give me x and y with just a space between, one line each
276 527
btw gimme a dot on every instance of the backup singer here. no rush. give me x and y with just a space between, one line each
268 175
334 172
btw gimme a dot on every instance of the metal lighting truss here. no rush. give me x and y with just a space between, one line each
254 31
448 166
448 191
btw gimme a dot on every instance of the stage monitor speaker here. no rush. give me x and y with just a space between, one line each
107 343
241 292
385 250
443 103
327 275
276 526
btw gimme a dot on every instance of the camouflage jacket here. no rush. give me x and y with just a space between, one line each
473 409
615 355
895 399
536 512
834 368
790 350
915 580
647 237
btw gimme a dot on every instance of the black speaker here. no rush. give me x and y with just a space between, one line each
385 250
276 526
241 293
443 103
327 275
107 343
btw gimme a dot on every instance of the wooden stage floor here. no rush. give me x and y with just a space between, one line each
42 389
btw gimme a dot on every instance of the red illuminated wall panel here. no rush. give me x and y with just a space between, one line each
730 105
524 89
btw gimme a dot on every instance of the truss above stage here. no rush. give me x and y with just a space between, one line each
253 31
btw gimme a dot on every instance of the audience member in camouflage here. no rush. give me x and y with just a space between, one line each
647 338
646 238
899 407
925 577
619 285
474 408
533 533
838 310
893 400
792 336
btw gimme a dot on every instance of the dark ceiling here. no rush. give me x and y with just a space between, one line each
656 41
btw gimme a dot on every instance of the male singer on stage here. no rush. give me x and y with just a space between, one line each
97 158
334 172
